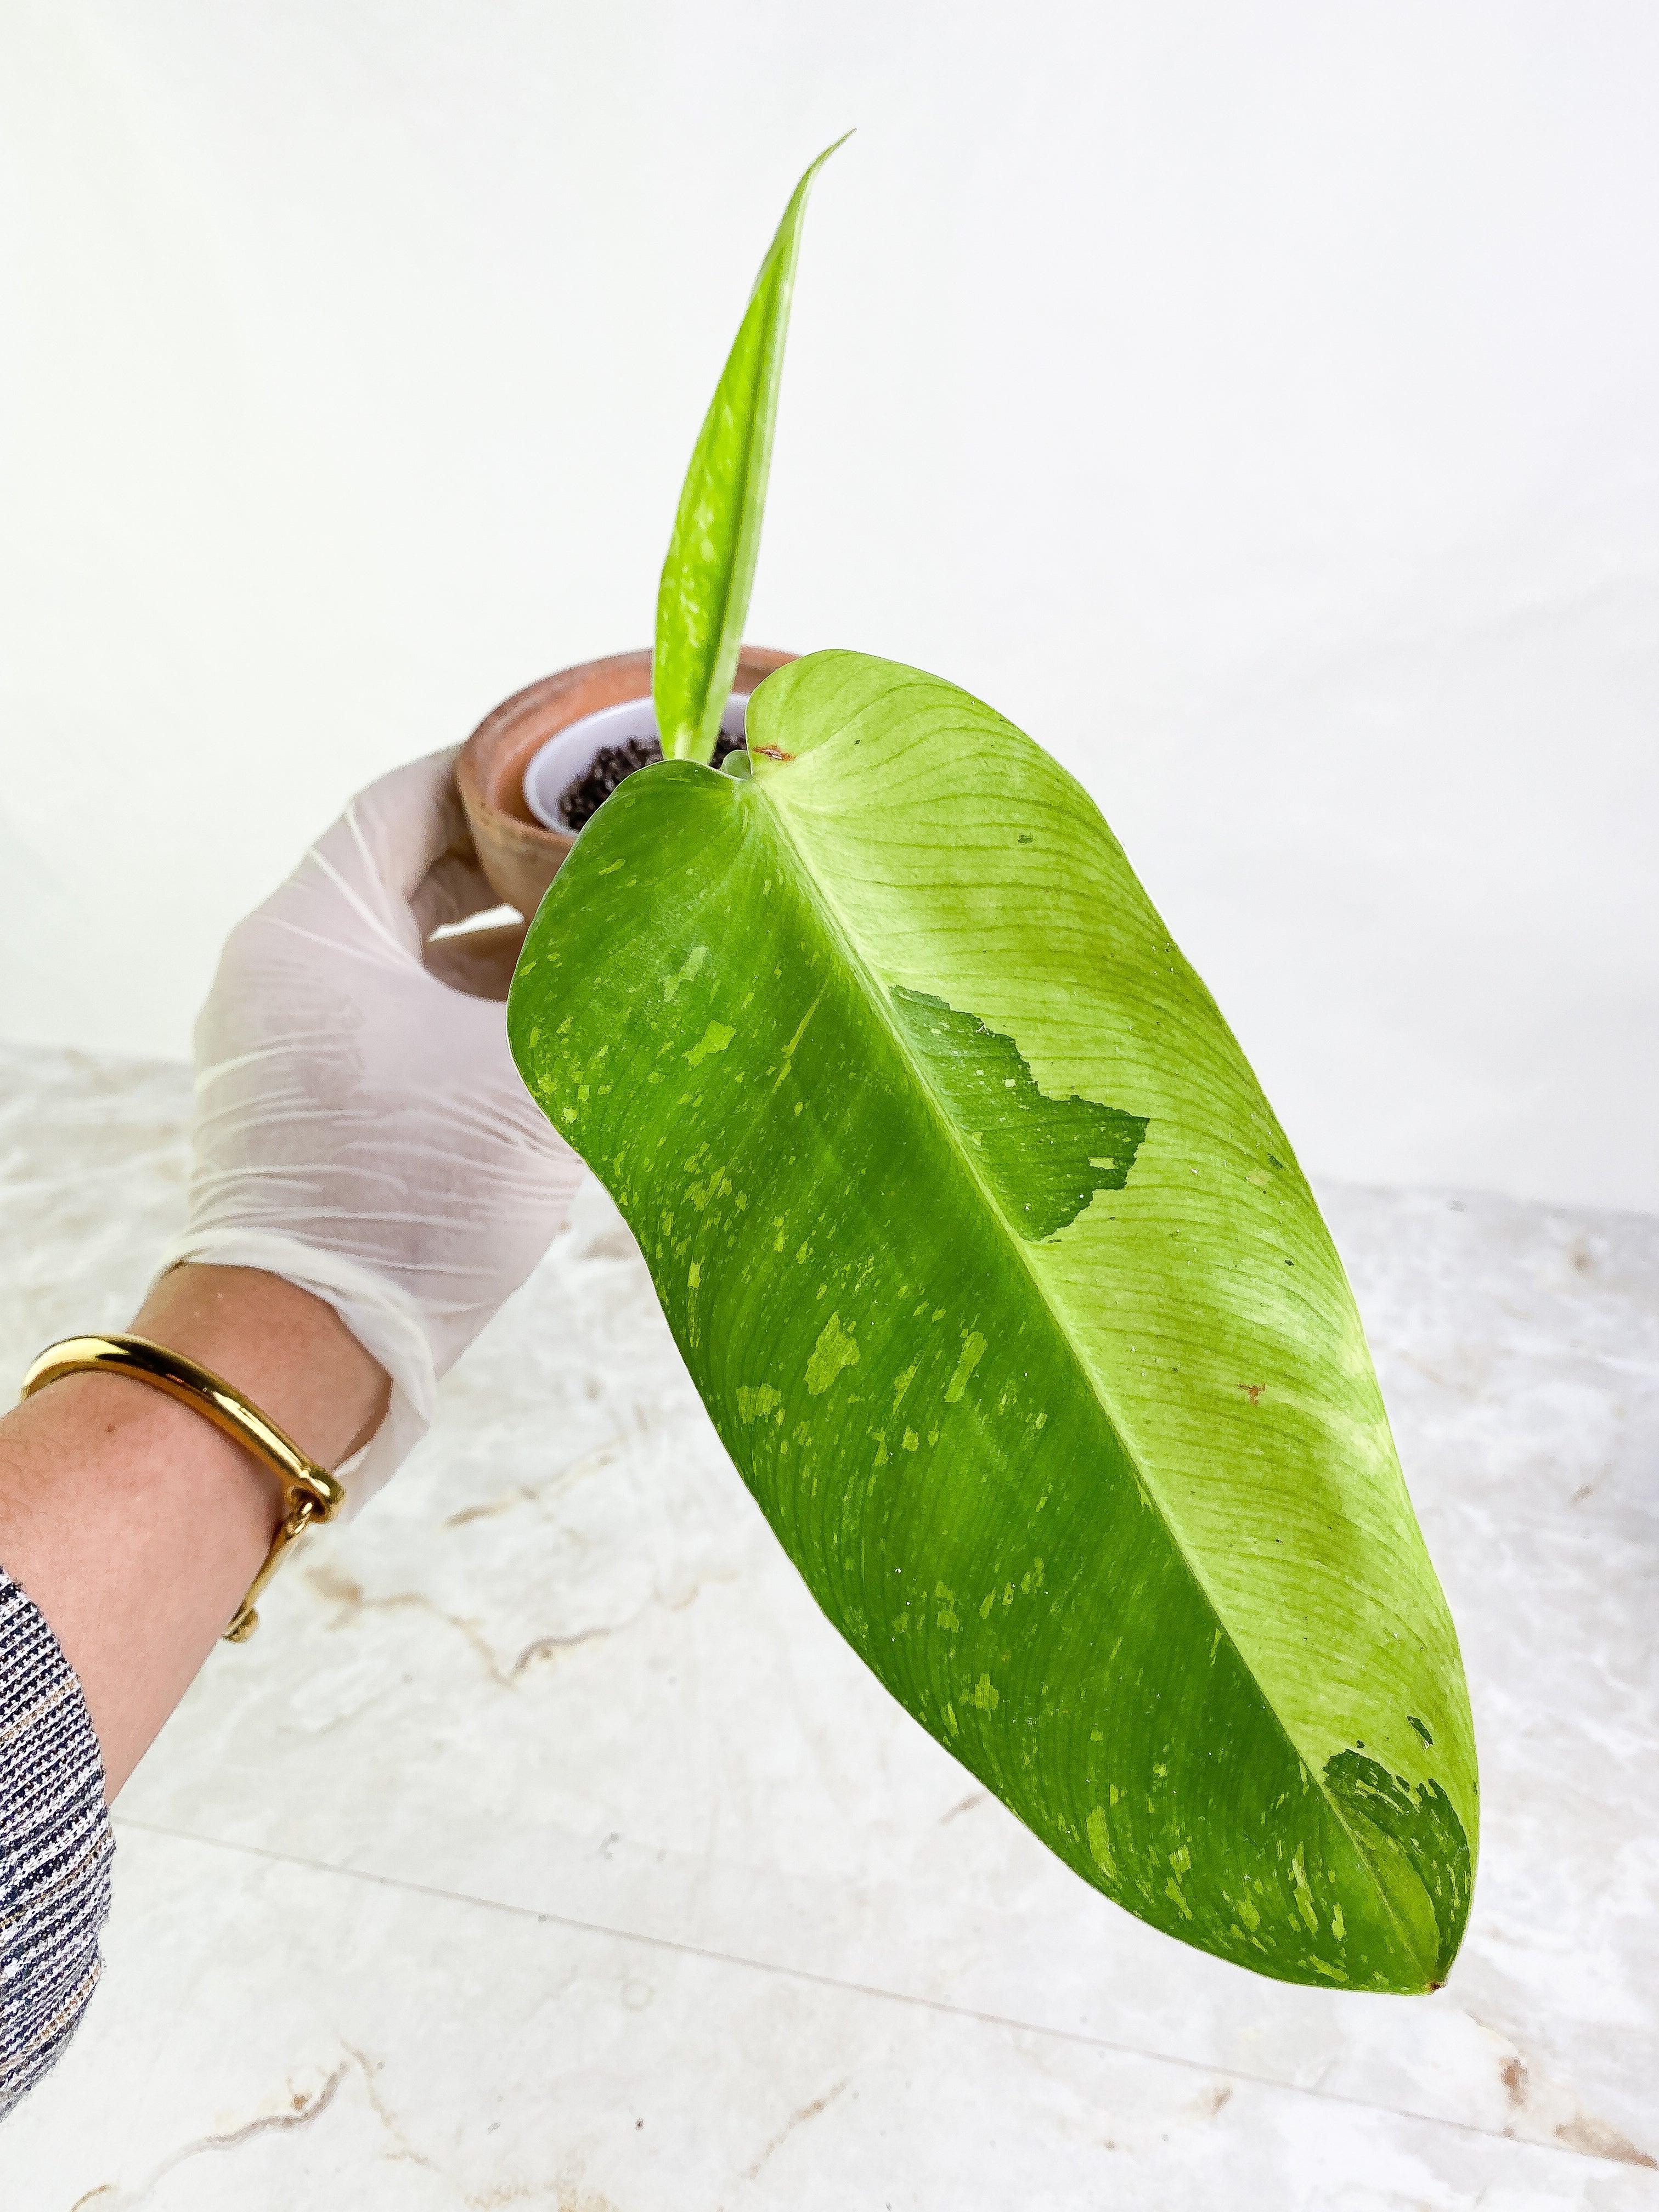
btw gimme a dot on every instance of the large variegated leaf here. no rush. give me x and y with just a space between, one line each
703 596
1007 1295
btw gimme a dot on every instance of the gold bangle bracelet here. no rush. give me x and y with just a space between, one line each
309 1491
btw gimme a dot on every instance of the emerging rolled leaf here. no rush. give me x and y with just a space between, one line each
703 596
1008 1296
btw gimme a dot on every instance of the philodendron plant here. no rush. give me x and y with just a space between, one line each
998 1277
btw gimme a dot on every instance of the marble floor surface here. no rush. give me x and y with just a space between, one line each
547 1849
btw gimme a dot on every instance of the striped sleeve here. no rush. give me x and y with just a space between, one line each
56 1845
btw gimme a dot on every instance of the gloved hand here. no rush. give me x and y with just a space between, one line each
360 1126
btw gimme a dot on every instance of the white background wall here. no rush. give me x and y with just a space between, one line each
1257 402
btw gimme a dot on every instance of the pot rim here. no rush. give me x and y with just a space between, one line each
518 854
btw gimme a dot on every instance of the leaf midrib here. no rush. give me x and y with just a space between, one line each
837 926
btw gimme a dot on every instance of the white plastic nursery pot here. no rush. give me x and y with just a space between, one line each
520 854
566 758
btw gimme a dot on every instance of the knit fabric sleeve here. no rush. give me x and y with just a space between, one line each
55 1846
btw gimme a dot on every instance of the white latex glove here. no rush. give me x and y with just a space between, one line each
360 1126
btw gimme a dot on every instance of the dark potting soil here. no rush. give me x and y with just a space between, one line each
583 799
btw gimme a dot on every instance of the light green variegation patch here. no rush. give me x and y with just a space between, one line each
1068 1420
834 1351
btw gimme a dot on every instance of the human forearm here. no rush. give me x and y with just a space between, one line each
134 1524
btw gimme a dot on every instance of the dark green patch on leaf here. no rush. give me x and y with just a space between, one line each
1428 1842
1044 1157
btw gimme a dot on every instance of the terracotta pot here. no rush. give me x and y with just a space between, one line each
517 855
